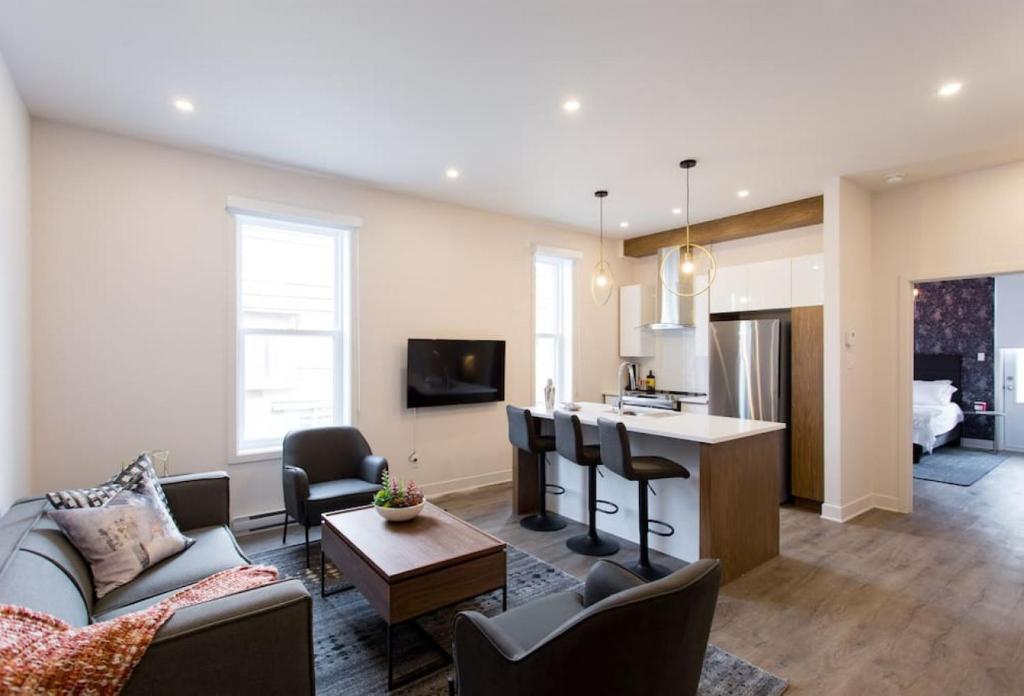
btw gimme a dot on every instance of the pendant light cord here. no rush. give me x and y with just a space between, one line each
688 208
600 247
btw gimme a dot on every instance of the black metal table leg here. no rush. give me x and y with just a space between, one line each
504 597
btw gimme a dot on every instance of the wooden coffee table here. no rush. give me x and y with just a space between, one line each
408 569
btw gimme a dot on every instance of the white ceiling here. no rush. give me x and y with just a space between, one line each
769 96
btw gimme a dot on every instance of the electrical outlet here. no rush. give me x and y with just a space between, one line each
981 357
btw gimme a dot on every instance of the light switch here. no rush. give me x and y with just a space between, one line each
981 357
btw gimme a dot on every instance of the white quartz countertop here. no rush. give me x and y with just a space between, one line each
695 427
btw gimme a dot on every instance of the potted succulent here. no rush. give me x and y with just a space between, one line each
398 502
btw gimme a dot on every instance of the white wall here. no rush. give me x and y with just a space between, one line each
848 372
15 366
132 272
965 225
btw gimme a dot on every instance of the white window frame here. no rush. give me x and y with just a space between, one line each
566 339
343 228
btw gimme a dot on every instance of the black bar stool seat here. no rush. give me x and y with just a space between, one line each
522 433
569 441
617 456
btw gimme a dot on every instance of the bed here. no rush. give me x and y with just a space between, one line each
936 425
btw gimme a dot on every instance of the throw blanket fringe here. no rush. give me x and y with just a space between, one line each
41 654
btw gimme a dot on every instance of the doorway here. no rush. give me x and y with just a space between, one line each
1010 399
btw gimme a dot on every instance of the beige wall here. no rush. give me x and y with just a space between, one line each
965 225
132 270
15 368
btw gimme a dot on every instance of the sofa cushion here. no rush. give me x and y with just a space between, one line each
37 583
214 550
337 495
128 477
530 623
47 540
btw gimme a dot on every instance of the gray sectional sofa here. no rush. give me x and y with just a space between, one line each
258 641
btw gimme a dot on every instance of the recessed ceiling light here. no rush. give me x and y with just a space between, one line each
452 173
950 88
184 105
743 193
895 177
572 105
677 211
624 224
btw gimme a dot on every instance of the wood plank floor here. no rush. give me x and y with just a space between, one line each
928 603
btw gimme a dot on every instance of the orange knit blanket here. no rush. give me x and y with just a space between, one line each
42 654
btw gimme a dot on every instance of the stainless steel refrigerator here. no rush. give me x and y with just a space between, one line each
749 375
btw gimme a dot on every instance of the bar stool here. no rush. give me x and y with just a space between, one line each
522 432
616 455
569 442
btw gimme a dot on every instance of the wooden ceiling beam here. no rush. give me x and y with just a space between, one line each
809 211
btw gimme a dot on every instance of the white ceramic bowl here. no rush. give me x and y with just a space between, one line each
400 514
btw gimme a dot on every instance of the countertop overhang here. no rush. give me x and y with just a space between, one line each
693 427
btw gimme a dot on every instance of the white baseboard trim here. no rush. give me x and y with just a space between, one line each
977 444
856 508
249 524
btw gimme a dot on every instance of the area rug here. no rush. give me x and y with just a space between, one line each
349 637
960 467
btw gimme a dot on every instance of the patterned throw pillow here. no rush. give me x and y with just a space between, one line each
120 539
128 477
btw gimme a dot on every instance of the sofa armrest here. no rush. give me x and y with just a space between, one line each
372 468
255 642
199 500
605 579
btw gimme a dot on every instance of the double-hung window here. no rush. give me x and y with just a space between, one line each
293 342
554 281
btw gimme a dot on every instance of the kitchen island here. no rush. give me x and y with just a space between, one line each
728 508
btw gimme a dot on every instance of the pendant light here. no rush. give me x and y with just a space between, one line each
602 280
694 267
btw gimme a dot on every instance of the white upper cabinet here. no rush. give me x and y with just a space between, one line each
808 280
768 285
729 291
636 307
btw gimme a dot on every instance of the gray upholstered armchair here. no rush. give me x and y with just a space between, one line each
327 469
622 635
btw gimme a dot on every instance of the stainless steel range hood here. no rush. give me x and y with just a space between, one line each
670 310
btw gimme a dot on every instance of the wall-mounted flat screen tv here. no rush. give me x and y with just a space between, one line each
444 372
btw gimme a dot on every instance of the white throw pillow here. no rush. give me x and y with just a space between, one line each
127 534
936 393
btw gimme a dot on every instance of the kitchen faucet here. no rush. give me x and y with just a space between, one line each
618 407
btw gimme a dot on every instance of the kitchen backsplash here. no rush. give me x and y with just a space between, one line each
675 363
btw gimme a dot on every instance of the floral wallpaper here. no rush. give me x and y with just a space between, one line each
958 316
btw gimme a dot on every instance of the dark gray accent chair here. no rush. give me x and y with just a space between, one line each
327 469
621 635
259 641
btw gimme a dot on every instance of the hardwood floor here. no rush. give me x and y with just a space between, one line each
928 603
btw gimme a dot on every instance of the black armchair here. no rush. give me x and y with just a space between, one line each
327 469
622 635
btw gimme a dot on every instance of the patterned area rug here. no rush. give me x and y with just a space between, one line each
350 645
960 467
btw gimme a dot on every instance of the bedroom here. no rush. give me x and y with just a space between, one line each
968 415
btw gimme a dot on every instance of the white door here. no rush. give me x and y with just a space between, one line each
1013 398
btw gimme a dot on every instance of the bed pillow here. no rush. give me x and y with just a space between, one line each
127 534
937 393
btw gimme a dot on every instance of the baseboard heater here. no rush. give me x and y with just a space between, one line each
258 522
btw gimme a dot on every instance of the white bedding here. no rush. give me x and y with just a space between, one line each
931 420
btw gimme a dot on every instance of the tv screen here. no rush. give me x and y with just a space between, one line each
443 372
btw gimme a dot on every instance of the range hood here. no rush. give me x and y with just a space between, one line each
670 310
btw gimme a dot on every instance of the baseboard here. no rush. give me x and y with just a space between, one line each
249 524
977 444
856 508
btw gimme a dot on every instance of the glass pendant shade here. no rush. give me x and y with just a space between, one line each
689 270
602 282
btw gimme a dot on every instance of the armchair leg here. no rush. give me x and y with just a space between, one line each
307 546
284 537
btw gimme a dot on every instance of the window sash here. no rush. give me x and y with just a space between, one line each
341 333
563 337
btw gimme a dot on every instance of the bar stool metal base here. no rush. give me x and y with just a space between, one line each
543 522
592 546
649 571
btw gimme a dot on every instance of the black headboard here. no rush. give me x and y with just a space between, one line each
940 366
